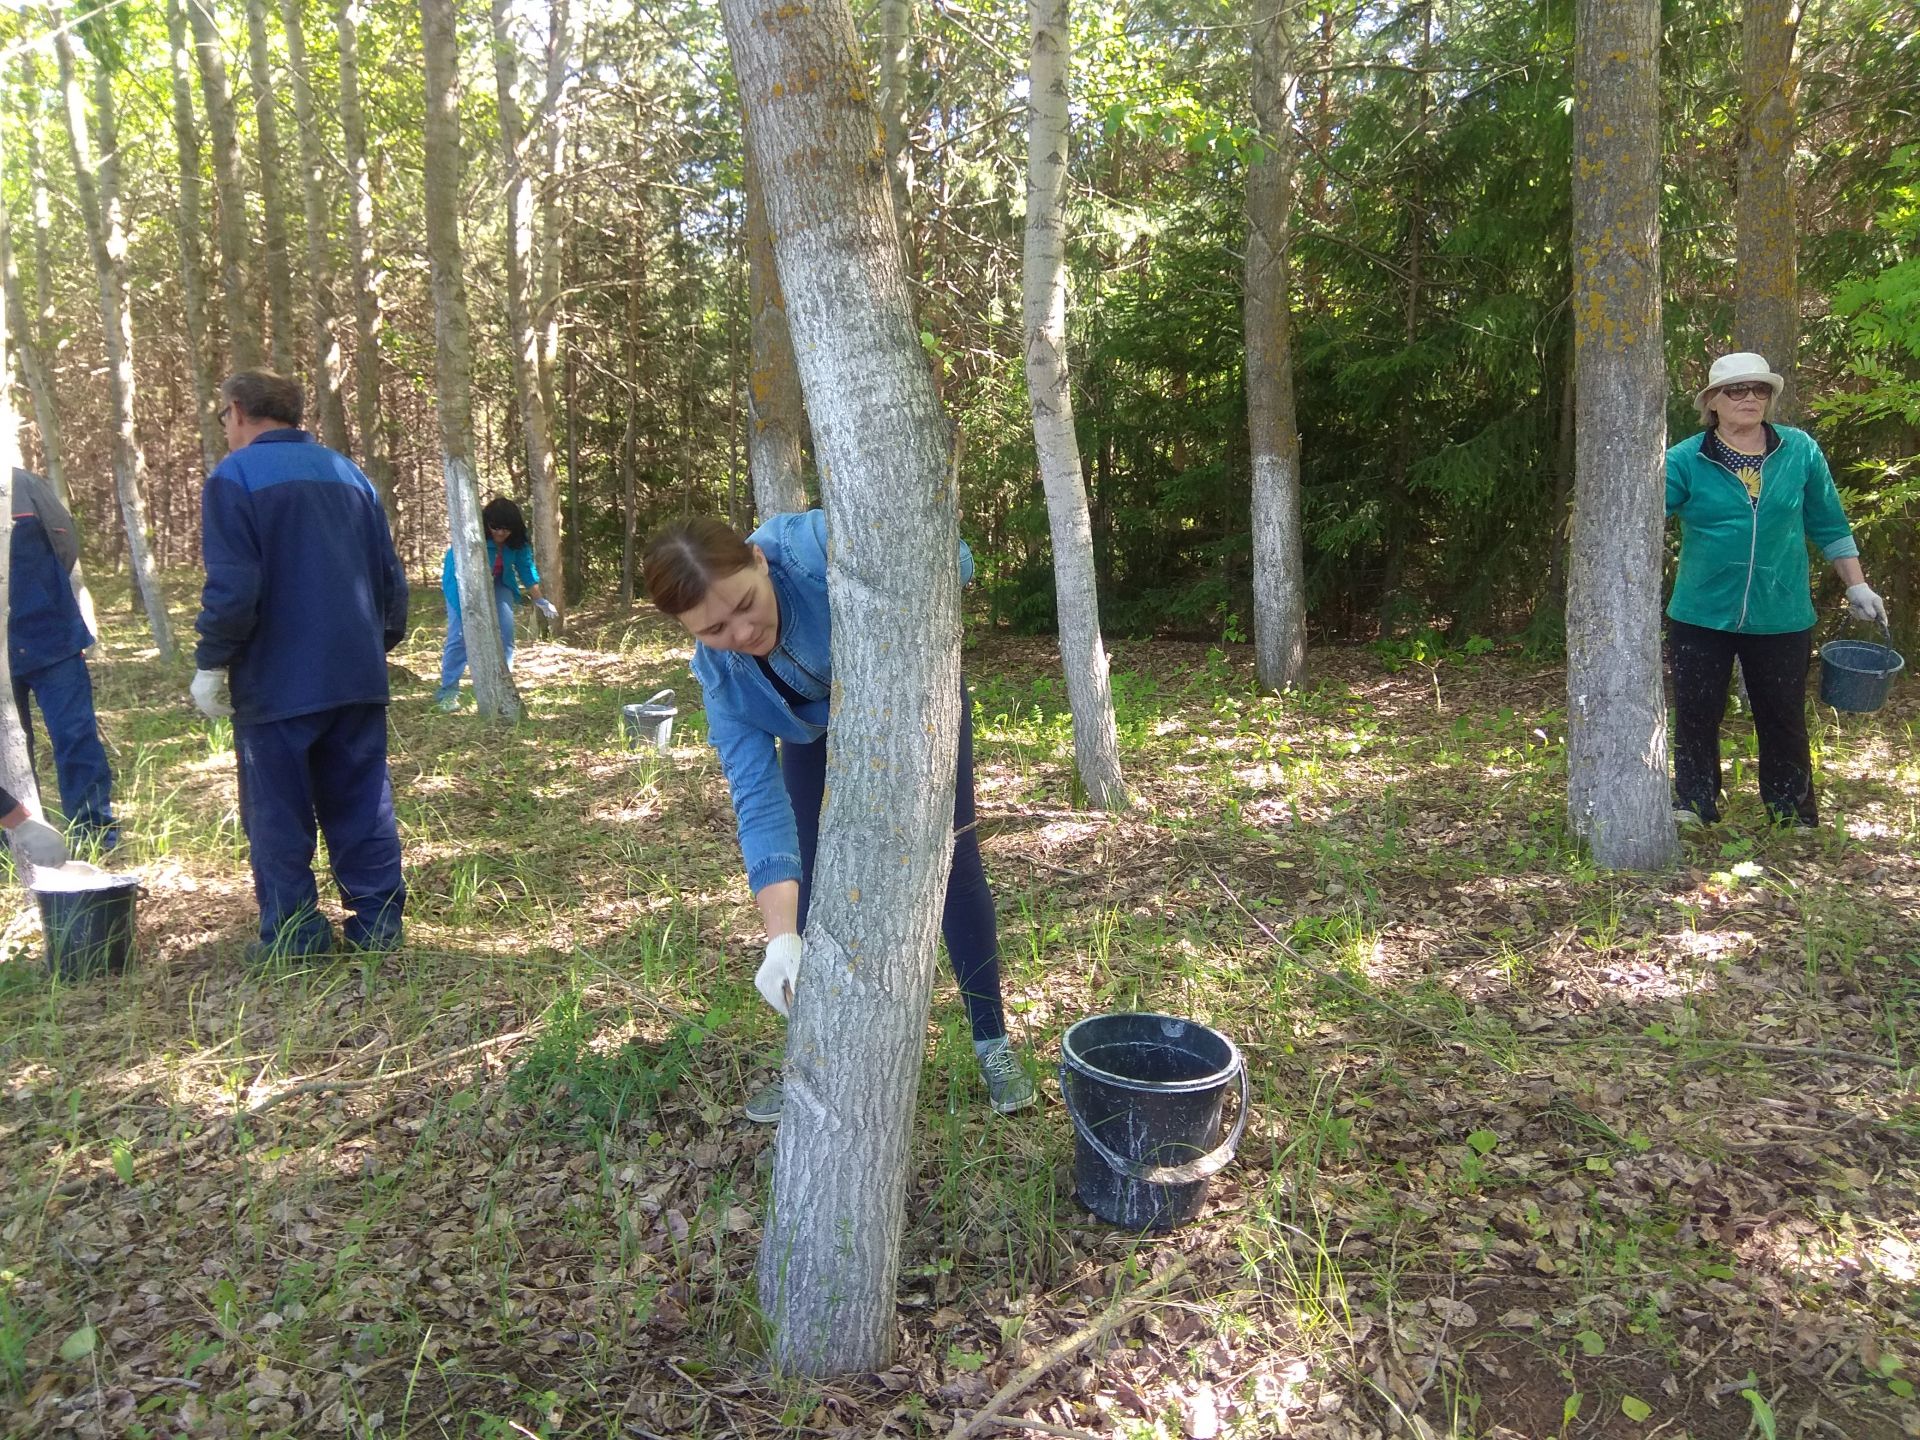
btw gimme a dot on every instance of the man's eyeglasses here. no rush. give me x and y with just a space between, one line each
1755 390
221 415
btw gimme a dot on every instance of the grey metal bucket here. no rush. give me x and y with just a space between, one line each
650 723
1857 675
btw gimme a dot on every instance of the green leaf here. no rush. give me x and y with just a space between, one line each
80 1343
123 1161
1902 1388
1483 1141
1600 1164
1634 1408
1591 1342
1717 1272
1762 1413
1570 1411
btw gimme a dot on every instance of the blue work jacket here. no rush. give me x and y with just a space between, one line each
44 624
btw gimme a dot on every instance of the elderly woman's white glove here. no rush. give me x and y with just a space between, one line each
780 972
39 843
1866 605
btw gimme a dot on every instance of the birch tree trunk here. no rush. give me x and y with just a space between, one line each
1083 654
536 428
97 186
1279 567
193 282
775 417
328 402
273 194
1618 795
376 453
831 1249
547 547
33 367
453 366
243 321
1766 300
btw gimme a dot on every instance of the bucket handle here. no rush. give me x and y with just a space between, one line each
1211 1163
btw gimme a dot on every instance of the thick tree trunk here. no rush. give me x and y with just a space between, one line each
193 283
547 547
273 193
1617 790
33 367
1279 566
1083 654
536 426
97 186
1766 300
775 417
243 321
831 1252
376 453
330 405
453 366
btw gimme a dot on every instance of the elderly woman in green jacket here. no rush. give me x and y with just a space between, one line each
1750 495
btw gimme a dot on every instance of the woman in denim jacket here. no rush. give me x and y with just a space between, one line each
757 610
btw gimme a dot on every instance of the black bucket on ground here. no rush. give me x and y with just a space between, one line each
89 931
649 725
1145 1094
1857 675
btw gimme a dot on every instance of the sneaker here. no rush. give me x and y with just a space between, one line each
447 704
764 1108
1008 1087
1687 818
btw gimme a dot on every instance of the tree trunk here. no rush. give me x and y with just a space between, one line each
547 547
1617 790
536 427
32 328
453 365
896 65
831 1252
1279 566
193 283
96 184
330 405
243 321
775 417
1083 654
1766 302
273 202
16 769
33 366
376 454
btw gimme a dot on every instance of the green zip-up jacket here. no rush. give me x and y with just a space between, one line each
1743 563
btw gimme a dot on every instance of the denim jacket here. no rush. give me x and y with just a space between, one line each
745 714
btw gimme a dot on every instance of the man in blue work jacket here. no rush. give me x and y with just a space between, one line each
303 600
46 633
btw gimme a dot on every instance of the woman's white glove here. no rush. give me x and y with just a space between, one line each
547 608
210 695
1865 604
38 843
780 972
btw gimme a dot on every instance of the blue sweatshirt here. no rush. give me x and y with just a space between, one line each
512 568
44 625
304 595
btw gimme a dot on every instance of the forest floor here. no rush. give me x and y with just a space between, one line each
1534 1151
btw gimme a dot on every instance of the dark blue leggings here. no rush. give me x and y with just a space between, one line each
967 922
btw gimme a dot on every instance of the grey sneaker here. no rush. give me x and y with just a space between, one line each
764 1108
1687 818
1008 1088
447 704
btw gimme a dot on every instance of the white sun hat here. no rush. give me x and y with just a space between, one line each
1732 369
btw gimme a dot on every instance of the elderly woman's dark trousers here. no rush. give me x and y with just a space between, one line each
1775 667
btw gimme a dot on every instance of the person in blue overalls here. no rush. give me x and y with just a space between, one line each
46 633
303 600
510 559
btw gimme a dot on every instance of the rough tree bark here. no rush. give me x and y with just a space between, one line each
216 90
1766 300
33 367
96 183
1083 654
273 193
547 547
776 419
830 1255
376 455
193 282
896 65
453 366
1617 789
1279 566
29 325
330 407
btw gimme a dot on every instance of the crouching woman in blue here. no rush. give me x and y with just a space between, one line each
757 610
510 558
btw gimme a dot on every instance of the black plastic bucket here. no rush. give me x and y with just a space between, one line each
1857 675
649 725
89 932
1145 1094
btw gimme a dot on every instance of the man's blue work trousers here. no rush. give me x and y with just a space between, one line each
328 768
65 692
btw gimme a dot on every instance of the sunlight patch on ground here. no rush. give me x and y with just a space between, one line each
1711 944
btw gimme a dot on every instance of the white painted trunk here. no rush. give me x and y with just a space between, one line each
1618 796
1279 565
375 452
1083 654
329 404
453 367
830 1257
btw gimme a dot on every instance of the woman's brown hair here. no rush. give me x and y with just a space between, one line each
684 559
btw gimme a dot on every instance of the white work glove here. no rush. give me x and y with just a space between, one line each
209 691
1865 604
38 843
547 608
779 973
